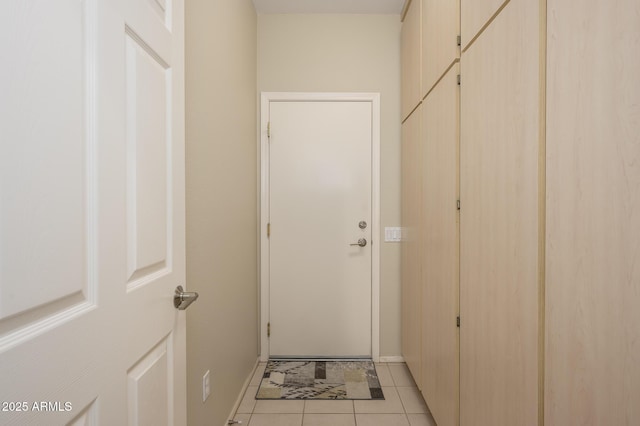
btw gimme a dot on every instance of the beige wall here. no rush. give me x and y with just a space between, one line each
347 53
221 203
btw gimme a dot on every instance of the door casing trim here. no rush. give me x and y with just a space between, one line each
263 176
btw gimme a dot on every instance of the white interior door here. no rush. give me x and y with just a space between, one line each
91 212
320 189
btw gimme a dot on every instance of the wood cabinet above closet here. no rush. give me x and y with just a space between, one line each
440 44
411 58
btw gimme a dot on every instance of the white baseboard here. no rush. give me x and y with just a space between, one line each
393 358
242 392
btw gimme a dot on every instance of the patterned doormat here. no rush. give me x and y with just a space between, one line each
305 379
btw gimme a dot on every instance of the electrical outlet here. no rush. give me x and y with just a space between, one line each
206 386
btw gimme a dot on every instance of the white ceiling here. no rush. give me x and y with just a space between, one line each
329 6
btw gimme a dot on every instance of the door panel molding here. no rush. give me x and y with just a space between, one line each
83 74
263 164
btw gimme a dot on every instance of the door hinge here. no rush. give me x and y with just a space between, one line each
459 79
268 329
459 40
458 204
268 230
269 129
458 321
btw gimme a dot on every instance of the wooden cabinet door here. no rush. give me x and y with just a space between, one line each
410 58
411 285
440 243
499 237
440 30
592 363
474 16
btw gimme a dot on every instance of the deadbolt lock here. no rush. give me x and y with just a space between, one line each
362 224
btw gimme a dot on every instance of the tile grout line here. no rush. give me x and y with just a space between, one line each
406 416
404 408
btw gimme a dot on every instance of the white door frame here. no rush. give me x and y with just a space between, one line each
374 99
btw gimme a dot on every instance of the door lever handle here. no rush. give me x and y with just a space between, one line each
182 299
361 242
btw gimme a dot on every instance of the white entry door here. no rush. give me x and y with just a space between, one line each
91 212
321 239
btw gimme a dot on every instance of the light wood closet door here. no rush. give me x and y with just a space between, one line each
475 14
593 220
499 221
440 30
411 52
440 273
411 281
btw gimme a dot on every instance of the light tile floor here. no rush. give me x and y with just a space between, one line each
403 405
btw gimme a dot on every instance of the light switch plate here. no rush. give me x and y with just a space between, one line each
392 234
